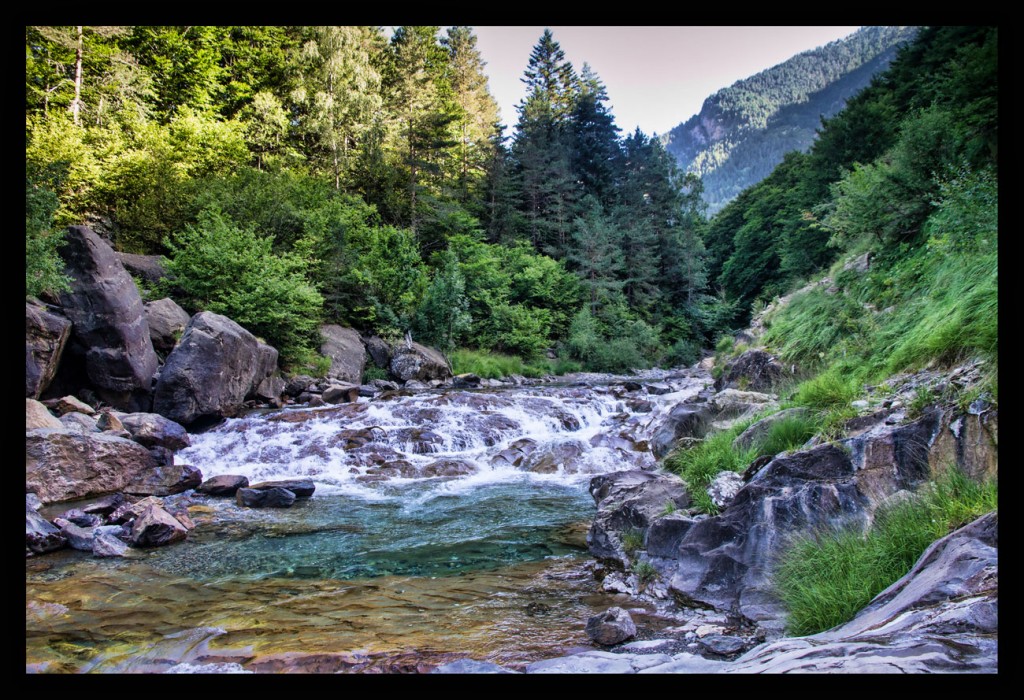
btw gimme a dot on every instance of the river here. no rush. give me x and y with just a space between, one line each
445 524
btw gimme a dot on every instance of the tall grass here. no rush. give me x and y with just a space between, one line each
787 434
826 578
698 465
492 365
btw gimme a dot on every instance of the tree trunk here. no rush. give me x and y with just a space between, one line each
76 104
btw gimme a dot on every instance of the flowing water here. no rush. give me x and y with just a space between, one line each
444 525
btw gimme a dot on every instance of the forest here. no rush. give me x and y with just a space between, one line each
299 175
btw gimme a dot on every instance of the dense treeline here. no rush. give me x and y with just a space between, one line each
920 134
295 175
743 131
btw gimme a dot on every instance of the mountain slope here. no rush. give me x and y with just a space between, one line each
742 131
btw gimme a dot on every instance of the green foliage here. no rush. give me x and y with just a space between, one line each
826 578
632 540
43 266
443 315
670 508
612 343
698 465
787 434
829 390
372 372
645 571
221 267
492 365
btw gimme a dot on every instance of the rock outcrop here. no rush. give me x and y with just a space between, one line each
418 362
347 353
109 329
147 267
754 370
208 375
46 333
167 323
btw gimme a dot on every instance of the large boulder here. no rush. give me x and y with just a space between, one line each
155 527
46 333
347 353
148 267
40 535
164 480
687 420
629 500
167 322
275 497
412 361
223 485
210 372
109 328
153 430
754 370
378 350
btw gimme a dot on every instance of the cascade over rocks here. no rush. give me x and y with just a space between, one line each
109 328
347 353
46 333
418 362
167 322
214 367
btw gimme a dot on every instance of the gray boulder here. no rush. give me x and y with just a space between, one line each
46 333
754 370
223 485
347 353
79 423
724 487
341 393
107 544
265 498
209 373
40 535
270 389
60 466
167 323
612 626
687 420
153 430
629 500
164 480
302 488
149 267
665 533
378 350
155 527
79 538
109 326
418 362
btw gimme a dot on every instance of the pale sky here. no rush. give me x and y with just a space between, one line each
656 77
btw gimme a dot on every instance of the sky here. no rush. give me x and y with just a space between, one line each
656 77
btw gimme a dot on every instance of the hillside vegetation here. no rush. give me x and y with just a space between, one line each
742 132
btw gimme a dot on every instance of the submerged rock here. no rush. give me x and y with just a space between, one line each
274 497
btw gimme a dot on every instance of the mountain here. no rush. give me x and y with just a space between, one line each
742 131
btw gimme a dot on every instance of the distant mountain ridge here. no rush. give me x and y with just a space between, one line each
742 131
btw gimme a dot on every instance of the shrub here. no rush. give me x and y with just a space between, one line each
221 267
787 434
43 266
632 540
645 571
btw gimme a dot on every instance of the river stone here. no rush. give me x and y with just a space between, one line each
418 362
270 389
155 527
722 644
629 500
347 353
223 485
109 326
46 333
470 666
754 370
164 480
79 538
384 385
129 510
167 323
589 662
80 518
448 467
658 389
612 626
724 487
40 535
108 422
104 506
466 381
302 488
265 498
69 404
210 372
106 544
153 430
415 385
686 420
297 384
60 466
341 393
38 416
